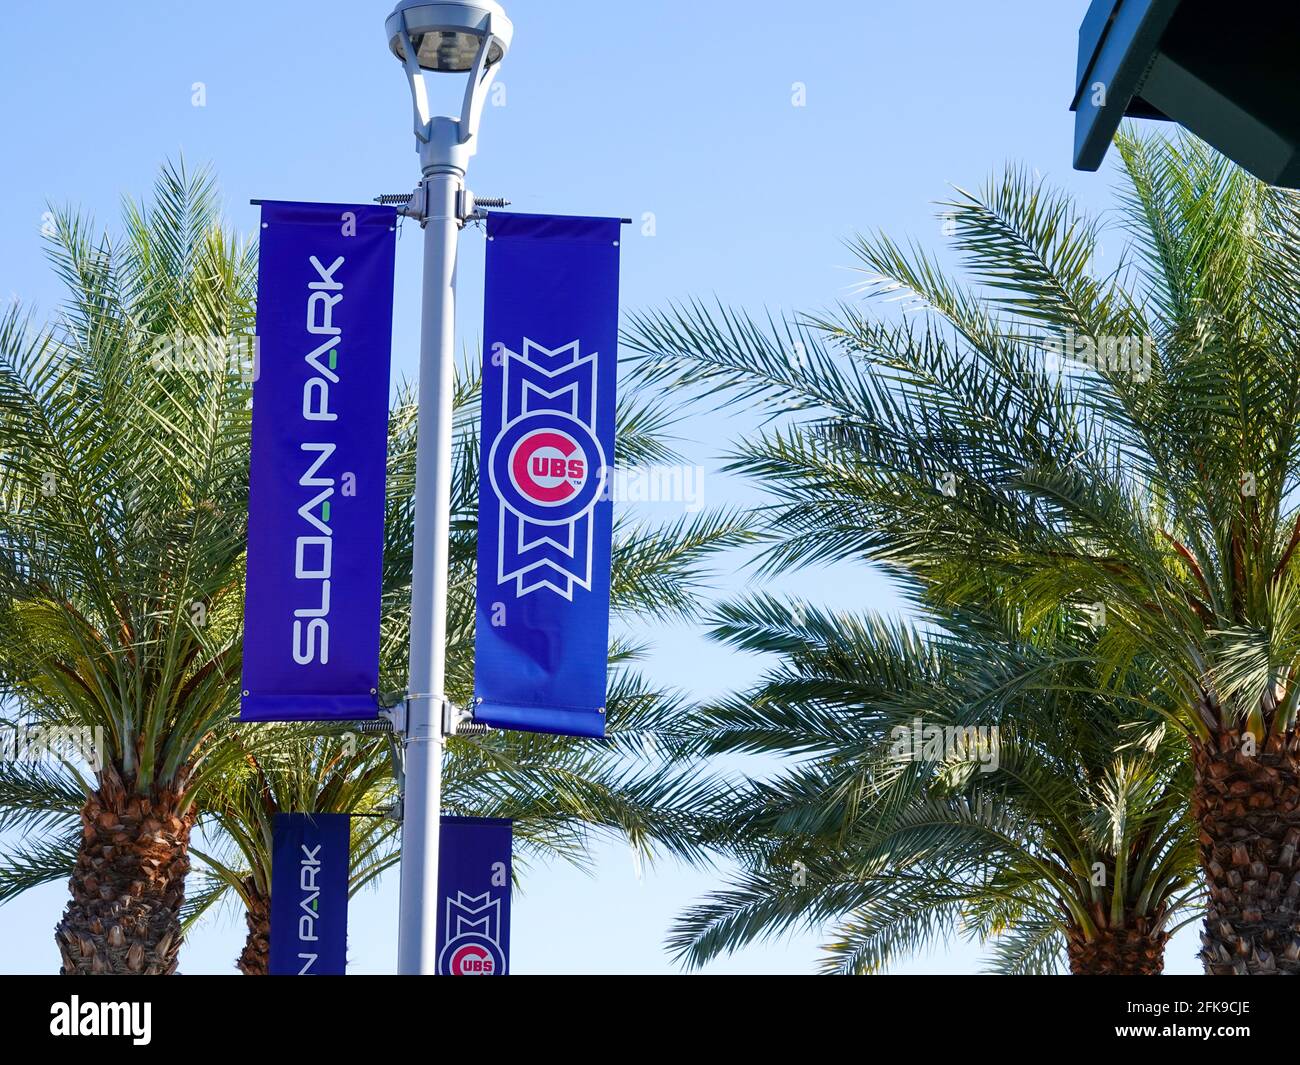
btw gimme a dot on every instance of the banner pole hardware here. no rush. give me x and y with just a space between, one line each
350 813
459 721
469 208
399 776
409 200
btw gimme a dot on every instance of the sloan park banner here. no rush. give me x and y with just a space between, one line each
474 896
319 454
545 515
309 894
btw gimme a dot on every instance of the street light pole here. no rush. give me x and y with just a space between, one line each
453 37
421 801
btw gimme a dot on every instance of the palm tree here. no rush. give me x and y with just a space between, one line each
290 770
124 487
1151 479
925 803
558 789
559 793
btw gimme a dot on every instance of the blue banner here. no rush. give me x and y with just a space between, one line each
474 897
545 514
309 895
319 454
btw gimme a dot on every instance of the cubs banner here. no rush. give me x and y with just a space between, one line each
319 453
545 514
474 897
309 894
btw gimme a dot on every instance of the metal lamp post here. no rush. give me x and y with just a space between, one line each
460 38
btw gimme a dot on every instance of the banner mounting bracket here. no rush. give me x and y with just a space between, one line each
459 721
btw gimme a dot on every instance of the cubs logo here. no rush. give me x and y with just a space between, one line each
544 468
479 958
547 467
473 927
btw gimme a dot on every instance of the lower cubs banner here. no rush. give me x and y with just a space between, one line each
474 897
309 894
545 515
319 453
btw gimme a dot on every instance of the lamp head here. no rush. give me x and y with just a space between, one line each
447 36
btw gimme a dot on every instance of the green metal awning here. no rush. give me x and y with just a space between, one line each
1226 71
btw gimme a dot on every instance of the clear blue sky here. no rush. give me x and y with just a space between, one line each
681 110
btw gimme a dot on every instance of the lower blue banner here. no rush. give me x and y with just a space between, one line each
474 897
309 894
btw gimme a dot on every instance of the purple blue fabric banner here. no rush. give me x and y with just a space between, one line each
474 897
545 514
319 455
309 894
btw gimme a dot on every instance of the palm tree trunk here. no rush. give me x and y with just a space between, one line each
254 959
1248 808
1136 950
128 884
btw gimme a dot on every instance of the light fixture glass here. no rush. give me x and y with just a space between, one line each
446 34
447 51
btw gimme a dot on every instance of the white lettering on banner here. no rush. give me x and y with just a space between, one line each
308 866
313 550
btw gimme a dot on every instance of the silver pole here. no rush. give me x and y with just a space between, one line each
445 145
417 912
